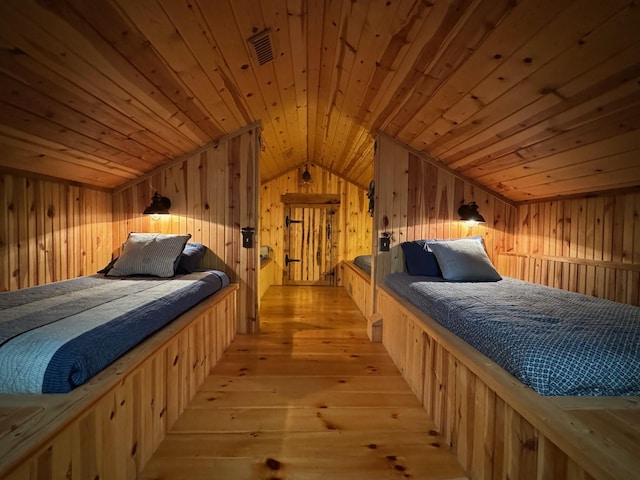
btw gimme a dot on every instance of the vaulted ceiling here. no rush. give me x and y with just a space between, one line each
531 98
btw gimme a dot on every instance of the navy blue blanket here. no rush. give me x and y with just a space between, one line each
363 262
554 341
55 337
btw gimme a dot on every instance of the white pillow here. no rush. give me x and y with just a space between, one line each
464 260
154 254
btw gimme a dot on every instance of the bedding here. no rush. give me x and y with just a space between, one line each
55 337
554 341
419 260
464 260
154 254
363 262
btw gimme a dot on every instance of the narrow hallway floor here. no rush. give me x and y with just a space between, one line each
309 398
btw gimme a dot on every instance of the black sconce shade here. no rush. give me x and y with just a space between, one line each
306 176
159 206
469 213
247 236
385 241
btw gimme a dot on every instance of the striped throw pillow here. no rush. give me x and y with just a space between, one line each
153 254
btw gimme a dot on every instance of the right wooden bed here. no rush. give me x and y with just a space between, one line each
498 425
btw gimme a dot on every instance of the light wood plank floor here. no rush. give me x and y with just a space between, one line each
308 398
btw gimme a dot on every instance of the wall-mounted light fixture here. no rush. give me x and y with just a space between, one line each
385 237
385 241
247 236
470 215
159 206
305 179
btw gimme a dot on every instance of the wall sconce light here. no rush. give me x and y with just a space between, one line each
306 176
470 215
247 237
385 241
159 206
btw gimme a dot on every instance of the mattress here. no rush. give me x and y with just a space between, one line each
55 337
363 262
554 341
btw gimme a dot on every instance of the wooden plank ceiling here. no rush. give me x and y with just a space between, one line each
531 98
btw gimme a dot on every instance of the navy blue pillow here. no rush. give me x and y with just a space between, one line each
190 257
418 260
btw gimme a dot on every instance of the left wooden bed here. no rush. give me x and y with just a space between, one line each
110 426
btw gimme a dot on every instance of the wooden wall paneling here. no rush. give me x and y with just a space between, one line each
391 204
424 200
586 245
53 231
213 194
351 223
8 225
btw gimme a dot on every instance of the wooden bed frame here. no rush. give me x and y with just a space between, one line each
497 427
110 427
358 286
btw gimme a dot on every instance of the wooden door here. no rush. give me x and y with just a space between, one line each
308 245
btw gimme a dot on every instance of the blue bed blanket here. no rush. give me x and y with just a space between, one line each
554 341
363 262
55 337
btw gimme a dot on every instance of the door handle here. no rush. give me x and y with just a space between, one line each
288 260
288 221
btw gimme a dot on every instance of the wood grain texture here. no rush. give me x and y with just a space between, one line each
308 398
417 199
497 428
351 223
213 195
51 231
110 427
587 245
531 99
358 285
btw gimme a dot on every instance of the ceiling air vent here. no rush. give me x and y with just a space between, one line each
261 43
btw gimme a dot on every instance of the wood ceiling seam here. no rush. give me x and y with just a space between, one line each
439 21
40 105
88 59
550 129
618 145
206 56
425 157
220 142
249 19
283 73
493 97
42 149
351 41
467 37
499 46
158 51
242 78
374 35
60 88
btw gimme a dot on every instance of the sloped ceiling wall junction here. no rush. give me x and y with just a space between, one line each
531 99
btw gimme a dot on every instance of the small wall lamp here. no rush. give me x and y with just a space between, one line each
306 176
469 214
159 206
385 236
385 241
247 236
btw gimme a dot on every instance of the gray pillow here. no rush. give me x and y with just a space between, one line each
464 260
153 254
